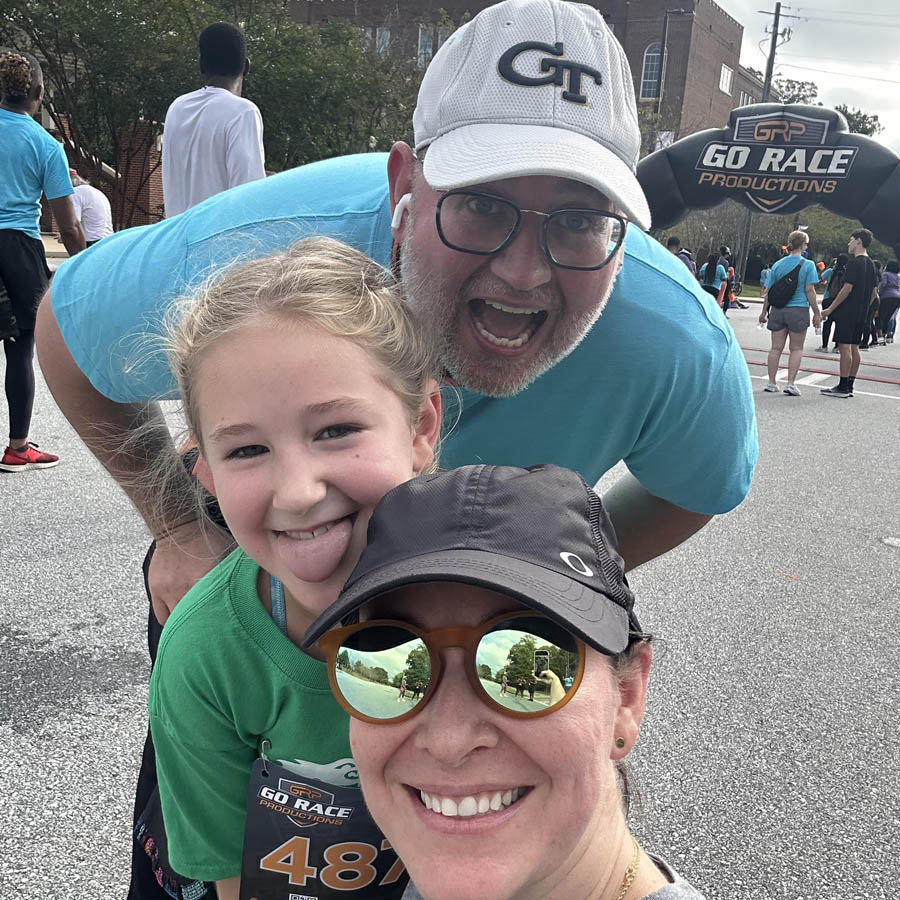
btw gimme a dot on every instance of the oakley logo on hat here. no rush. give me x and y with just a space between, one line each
582 568
561 71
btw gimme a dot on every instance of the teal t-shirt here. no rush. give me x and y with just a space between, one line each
32 163
660 381
720 276
225 679
808 275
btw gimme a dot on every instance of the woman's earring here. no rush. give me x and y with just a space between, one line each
620 742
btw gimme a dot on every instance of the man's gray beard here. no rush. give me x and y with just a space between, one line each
440 314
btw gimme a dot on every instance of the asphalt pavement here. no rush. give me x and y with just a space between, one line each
768 764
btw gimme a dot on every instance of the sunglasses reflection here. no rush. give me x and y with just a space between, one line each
384 672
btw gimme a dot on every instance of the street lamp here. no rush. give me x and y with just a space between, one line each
662 51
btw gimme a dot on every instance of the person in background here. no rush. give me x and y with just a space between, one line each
92 209
31 163
673 245
213 138
870 332
793 318
849 310
889 296
833 279
712 275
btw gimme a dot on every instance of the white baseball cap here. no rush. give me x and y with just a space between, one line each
532 87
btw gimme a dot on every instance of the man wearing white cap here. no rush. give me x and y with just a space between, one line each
530 108
515 221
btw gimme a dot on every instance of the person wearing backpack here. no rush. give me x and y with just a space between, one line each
790 291
833 278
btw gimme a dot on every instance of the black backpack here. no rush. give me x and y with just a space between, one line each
836 282
780 293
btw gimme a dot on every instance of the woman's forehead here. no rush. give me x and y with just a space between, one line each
439 604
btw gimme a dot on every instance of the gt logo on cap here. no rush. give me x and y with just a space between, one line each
561 71
576 563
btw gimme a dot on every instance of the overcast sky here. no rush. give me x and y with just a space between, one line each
853 57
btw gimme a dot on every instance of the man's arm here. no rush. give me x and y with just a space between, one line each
647 527
244 155
70 230
813 301
130 440
843 294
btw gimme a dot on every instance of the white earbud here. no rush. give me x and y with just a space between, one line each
399 209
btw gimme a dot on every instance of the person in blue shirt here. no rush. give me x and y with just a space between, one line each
511 240
31 163
793 319
712 274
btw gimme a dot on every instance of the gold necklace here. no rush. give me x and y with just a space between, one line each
630 872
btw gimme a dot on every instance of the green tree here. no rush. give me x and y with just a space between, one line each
793 91
859 121
520 659
112 67
418 665
343 659
484 672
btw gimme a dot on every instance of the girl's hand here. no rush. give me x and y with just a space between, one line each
762 318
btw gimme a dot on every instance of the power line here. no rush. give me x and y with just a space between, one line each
872 24
855 59
842 74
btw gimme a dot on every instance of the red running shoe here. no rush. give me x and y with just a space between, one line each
28 458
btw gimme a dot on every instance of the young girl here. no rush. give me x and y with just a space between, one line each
310 394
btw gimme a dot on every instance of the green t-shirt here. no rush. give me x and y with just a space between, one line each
225 679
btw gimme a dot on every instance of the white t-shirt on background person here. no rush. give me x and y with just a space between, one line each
212 141
93 211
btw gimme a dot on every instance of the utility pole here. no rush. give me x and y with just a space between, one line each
767 89
770 64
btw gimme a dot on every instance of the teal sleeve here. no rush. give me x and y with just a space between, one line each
57 182
711 443
202 764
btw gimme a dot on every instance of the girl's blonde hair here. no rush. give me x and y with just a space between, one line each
320 282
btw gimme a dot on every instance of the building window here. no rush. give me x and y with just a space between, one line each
746 99
382 39
650 72
726 77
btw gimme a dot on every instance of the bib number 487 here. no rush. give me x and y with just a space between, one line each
348 866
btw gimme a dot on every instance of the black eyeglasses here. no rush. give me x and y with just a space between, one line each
574 238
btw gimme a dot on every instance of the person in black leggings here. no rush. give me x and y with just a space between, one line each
39 165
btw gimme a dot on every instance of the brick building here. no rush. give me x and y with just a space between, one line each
702 77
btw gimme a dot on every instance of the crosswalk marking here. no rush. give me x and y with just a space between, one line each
815 378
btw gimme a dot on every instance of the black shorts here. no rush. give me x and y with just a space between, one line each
848 330
24 272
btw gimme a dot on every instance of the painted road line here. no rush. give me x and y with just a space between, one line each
781 375
815 378
856 391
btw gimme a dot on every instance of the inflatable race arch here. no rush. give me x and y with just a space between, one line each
777 158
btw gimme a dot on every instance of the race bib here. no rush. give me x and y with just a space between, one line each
307 839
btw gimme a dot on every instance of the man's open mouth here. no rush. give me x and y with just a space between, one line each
505 326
